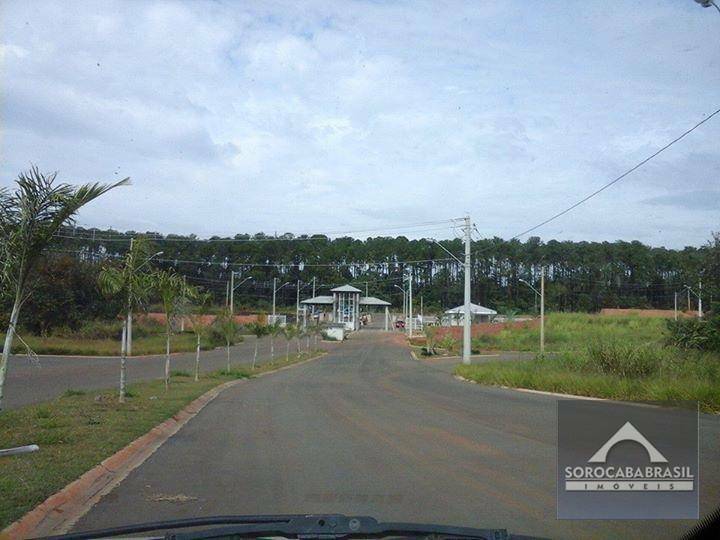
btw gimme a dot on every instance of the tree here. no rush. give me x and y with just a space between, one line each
289 332
258 330
133 287
274 330
29 219
173 293
199 328
228 328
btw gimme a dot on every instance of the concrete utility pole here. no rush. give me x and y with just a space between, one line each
232 292
128 333
297 304
274 285
675 311
467 314
542 310
410 313
700 313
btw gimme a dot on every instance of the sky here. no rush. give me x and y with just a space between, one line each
239 117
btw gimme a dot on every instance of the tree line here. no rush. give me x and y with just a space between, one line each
580 276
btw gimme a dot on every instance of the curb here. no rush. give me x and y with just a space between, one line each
59 512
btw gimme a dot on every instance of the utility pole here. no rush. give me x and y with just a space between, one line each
232 293
410 279
542 310
366 289
297 304
700 313
128 334
274 284
467 316
688 298
675 311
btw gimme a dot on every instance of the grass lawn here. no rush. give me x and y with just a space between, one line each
614 371
103 347
80 429
573 331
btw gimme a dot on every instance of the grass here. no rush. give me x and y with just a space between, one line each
81 428
572 331
613 370
103 347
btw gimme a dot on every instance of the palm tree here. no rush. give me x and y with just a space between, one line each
228 328
29 219
199 328
273 330
288 332
258 330
173 291
133 287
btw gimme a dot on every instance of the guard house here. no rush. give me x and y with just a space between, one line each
346 305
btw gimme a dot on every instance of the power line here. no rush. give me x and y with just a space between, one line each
615 180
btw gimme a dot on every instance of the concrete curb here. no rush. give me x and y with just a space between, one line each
59 512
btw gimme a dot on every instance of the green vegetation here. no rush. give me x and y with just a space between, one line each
701 334
108 347
614 370
573 331
80 429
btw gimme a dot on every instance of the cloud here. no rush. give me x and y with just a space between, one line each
238 117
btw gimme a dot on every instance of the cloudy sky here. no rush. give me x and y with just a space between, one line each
267 116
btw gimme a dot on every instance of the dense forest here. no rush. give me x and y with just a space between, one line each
580 276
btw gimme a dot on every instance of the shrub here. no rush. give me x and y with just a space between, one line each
701 334
449 343
613 358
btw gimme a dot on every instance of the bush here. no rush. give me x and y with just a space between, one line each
612 358
701 334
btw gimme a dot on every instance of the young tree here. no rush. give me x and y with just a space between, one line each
133 287
228 328
29 219
197 322
274 330
173 293
258 330
289 333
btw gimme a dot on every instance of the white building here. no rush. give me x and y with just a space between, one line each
346 305
456 315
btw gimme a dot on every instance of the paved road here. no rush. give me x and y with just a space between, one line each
368 430
29 383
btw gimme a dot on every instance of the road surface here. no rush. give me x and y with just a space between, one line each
28 382
368 430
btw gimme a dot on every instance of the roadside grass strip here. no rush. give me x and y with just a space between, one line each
654 374
81 428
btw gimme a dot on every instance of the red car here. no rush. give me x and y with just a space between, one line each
399 324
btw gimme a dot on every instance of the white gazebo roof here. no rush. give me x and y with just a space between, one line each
345 288
475 309
319 300
372 301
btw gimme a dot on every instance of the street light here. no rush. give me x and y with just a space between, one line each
275 290
232 289
541 294
708 3
404 301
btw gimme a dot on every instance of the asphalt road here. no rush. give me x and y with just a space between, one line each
28 382
368 430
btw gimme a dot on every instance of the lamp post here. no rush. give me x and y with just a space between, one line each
404 300
541 294
275 290
232 290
